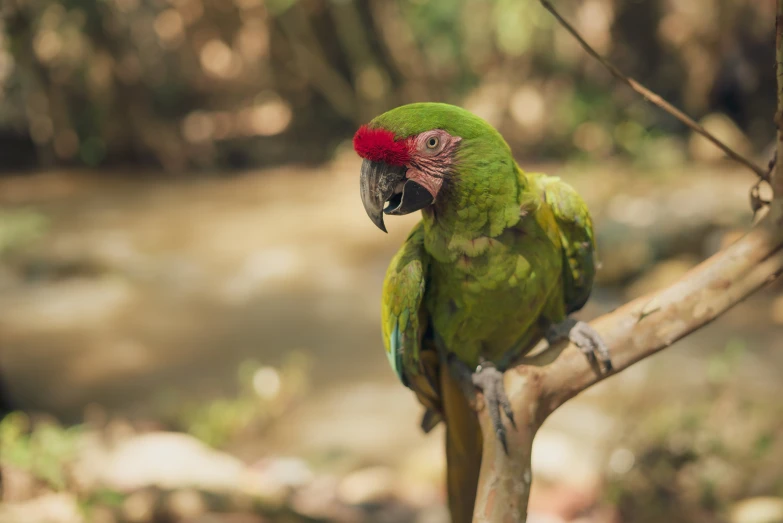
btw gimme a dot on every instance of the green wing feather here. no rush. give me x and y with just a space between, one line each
401 308
576 234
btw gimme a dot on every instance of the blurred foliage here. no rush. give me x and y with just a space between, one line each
184 83
19 227
690 460
43 450
265 394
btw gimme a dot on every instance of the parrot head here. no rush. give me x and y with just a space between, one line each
412 153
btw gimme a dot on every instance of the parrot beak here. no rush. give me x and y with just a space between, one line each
381 183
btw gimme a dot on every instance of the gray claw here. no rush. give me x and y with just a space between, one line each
489 380
584 336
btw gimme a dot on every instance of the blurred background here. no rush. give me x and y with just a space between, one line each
189 286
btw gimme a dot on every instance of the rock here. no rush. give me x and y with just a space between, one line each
265 489
290 472
164 459
271 479
370 485
758 510
139 507
184 504
50 508
318 500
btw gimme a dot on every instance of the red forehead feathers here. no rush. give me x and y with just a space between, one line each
379 145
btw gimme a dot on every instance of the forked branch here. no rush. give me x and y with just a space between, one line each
634 331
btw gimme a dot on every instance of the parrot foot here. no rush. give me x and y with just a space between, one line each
489 381
584 336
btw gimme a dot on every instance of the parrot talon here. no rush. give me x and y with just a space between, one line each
489 381
494 379
584 336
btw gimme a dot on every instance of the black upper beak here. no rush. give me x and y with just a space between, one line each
381 183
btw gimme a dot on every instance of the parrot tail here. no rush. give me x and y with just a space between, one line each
463 449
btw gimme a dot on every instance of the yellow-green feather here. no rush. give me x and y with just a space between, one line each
576 233
500 250
403 291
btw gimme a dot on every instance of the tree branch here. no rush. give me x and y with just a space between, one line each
634 331
654 98
539 385
649 324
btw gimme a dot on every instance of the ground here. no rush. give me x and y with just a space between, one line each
244 310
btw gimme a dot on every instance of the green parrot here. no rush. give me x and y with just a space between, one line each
498 261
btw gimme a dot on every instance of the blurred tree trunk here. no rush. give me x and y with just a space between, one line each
6 403
33 76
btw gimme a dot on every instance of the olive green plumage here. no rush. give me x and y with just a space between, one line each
500 251
403 290
499 255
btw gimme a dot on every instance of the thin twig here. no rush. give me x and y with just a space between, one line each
654 98
756 201
537 388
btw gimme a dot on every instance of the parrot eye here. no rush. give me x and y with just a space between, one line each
432 142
